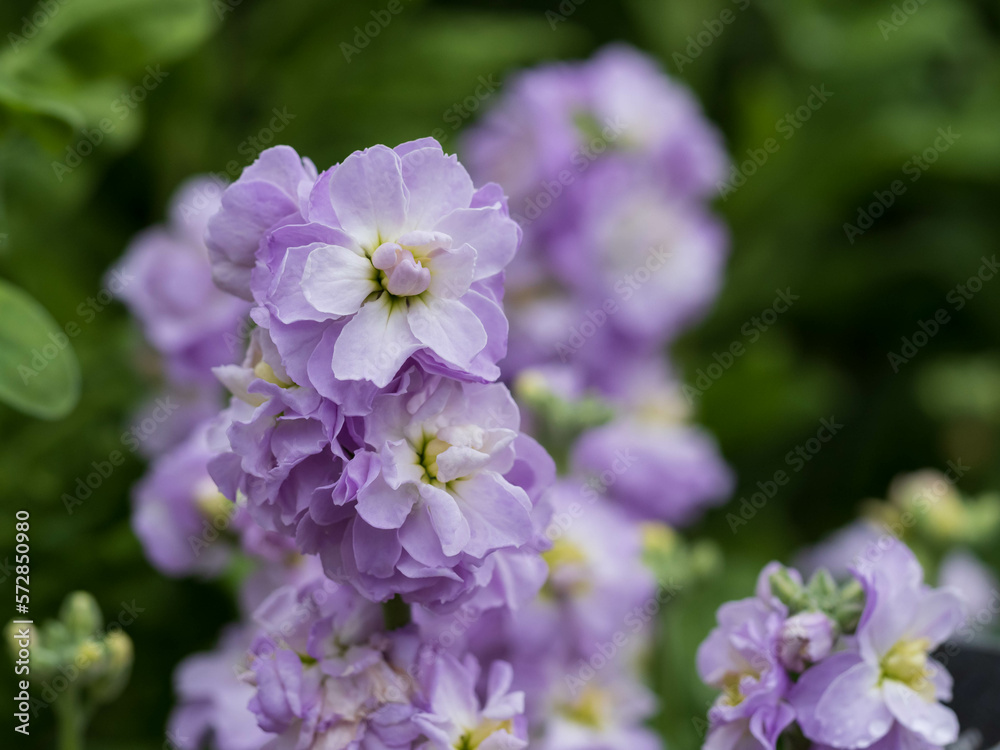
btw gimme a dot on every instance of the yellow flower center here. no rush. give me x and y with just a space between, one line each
265 372
588 709
732 690
563 555
432 449
906 662
472 739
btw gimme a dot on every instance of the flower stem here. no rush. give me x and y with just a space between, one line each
70 721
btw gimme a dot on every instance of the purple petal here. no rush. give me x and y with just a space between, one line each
497 512
336 280
449 523
493 236
448 328
369 197
437 184
384 507
851 711
452 271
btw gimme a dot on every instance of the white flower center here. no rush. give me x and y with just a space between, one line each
402 274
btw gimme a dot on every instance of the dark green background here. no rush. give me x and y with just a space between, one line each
826 357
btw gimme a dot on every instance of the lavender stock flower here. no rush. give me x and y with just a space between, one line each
886 685
867 683
421 508
741 656
391 254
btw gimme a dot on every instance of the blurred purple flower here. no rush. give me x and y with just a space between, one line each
212 700
169 289
658 471
185 524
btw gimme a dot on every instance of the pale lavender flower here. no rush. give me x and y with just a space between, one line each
455 716
444 480
741 657
328 676
607 713
885 683
562 117
597 585
276 441
269 193
650 460
651 263
393 253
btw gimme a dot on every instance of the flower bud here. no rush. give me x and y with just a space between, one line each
81 615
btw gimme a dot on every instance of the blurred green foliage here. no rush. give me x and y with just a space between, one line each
106 105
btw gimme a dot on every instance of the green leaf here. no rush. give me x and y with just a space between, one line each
39 374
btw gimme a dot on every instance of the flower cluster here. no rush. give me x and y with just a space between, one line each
575 647
366 423
371 453
318 670
607 164
850 667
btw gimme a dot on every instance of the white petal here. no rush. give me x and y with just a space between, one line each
374 343
448 328
337 281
